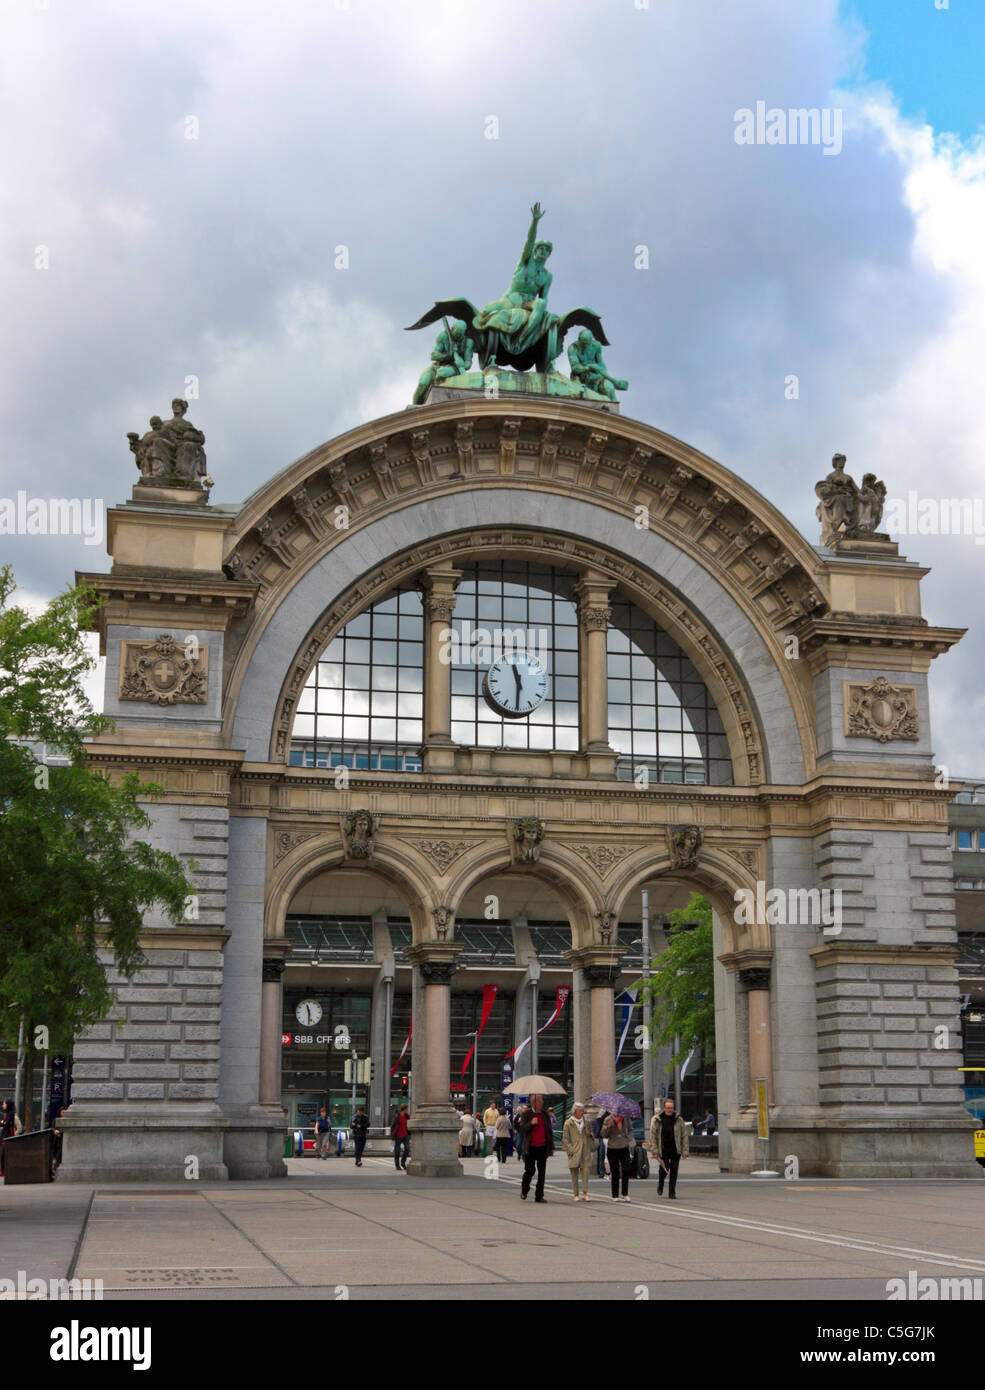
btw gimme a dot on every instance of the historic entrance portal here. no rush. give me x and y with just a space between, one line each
701 696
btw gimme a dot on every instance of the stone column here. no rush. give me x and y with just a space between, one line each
271 1026
599 967
438 584
756 981
433 1122
592 592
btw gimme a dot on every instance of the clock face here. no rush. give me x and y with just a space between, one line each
308 1012
515 686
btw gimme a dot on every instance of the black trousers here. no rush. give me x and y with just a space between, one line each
535 1158
619 1170
401 1148
360 1143
673 1164
501 1146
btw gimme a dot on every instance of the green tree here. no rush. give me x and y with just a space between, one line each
682 983
74 877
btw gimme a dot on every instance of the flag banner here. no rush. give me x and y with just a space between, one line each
687 1063
628 1001
560 999
393 1069
488 997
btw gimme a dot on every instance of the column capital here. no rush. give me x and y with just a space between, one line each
750 959
439 581
436 960
599 964
755 977
273 970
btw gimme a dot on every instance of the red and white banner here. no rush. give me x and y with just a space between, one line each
393 1069
560 999
488 998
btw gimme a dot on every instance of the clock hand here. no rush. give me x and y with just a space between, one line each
519 683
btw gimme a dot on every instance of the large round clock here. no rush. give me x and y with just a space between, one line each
515 686
308 1012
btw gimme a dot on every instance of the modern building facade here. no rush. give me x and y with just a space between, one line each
726 708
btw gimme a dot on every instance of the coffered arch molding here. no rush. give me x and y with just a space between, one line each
765 710
407 873
717 875
556 867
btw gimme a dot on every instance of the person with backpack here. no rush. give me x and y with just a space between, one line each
323 1134
360 1128
668 1144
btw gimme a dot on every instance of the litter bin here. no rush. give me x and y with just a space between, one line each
28 1157
288 1145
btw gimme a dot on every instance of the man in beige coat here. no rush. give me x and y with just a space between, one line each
579 1145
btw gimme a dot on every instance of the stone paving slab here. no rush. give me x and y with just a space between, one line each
371 1233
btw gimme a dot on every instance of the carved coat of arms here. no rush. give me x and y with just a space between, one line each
165 672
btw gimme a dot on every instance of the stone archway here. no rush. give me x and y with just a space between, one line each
787 636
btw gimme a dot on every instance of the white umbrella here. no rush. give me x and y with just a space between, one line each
534 1086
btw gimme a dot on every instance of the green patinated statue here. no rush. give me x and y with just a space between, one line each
517 330
587 366
451 356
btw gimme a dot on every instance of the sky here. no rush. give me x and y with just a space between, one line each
177 178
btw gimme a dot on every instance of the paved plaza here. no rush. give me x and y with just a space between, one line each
330 1230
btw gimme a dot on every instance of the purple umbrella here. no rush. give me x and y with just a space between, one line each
617 1104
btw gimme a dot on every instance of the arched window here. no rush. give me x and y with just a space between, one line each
363 705
662 720
512 605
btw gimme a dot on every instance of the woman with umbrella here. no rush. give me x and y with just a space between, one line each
617 1133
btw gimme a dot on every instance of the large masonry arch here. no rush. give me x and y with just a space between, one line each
298 601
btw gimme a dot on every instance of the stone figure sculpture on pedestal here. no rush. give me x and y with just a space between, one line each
845 511
171 453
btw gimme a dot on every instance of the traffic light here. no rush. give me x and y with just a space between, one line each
348 1070
364 1073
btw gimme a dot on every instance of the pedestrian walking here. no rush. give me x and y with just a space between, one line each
617 1132
400 1134
466 1136
668 1144
489 1117
502 1132
360 1127
519 1141
579 1145
538 1145
323 1134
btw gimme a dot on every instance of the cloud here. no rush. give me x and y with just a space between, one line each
317 124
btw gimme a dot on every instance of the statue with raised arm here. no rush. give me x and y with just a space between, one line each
519 320
587 366
518 330
451 356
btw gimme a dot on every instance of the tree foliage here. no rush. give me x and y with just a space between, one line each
682 983
74 877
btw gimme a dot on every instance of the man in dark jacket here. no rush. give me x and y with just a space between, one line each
360 1124
538 1145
